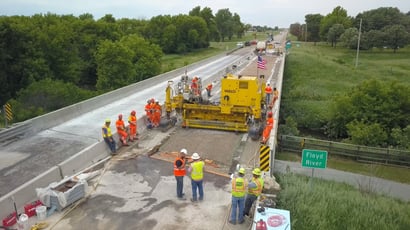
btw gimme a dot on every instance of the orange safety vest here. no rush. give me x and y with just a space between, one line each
269 122
179 171
120 125
147 109
259 185
268 89
209 87
132 120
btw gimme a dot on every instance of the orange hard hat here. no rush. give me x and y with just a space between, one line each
270 114
133 112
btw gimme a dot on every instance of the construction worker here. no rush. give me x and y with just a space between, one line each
195 87
150 114
196 169
268 92
275 96
106 133
121 130
157 111
132 124
148 111
208 89
268 127
238 197
255 187
180 172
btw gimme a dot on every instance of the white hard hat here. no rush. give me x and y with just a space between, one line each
184 151
195 156
156 101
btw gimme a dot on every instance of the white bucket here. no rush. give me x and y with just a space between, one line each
41 212
22 223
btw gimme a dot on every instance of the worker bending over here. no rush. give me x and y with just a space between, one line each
121 130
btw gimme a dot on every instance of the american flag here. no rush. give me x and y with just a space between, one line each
261 63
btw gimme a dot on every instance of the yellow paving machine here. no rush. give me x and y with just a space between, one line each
240 107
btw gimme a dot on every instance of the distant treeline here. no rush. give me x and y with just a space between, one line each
385 27
50 61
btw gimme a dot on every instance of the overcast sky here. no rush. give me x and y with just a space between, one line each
271 13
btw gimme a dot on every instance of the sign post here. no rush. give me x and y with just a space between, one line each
314 159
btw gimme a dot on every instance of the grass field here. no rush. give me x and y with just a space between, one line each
316 74
328 205
173 61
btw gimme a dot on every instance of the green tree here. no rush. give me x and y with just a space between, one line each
313 27
349 38
146 57
396 36
207 15
223 19
45 96
372 38
238 26
362 133
114 66
401 137
290 127
379 18
371 102
338 16
296 30
333 36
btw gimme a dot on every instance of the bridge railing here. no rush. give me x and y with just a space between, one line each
360 153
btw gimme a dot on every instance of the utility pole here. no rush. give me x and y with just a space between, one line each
358 44
306 32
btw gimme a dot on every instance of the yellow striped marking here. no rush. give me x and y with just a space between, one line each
264 156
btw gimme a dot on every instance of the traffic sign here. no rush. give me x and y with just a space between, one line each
314 158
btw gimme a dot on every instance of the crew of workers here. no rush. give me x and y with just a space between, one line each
271 95
244 194
196 171
125 133
153 112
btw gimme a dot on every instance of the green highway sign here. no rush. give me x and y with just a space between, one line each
314 158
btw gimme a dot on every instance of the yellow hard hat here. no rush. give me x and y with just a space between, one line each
257 172
242 171
107 120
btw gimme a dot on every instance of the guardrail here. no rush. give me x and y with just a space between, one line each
14 133
360 153
26 192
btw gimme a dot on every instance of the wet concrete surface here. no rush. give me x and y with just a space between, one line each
139 192
35 159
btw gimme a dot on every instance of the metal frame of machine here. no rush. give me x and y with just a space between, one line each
241 106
